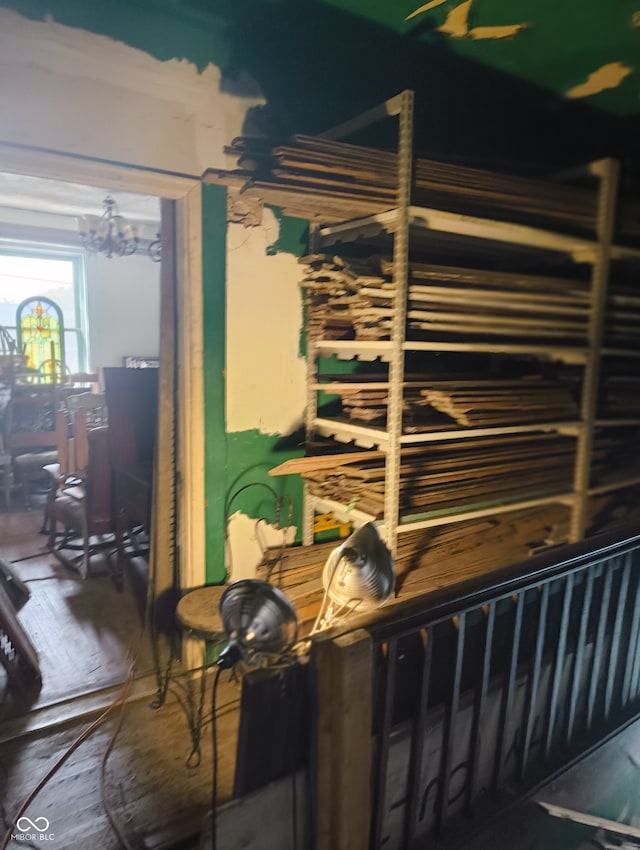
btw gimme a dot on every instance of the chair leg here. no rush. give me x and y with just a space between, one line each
53 524
86 552
27 494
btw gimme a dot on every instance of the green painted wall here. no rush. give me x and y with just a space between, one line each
164 29
214 232
251 454
237 464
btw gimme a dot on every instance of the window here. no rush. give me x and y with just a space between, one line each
58 276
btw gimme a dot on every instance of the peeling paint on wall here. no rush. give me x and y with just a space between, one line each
425 8
457 21
456 25
246 541
161 114
265 373
607 77
507 31
293 236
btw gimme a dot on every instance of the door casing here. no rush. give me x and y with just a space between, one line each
185 191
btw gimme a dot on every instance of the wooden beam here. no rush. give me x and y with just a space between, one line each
345 704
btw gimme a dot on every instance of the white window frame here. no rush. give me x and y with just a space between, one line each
40 250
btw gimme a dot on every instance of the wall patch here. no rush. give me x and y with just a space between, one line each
607 77
456 25
457 21
425 8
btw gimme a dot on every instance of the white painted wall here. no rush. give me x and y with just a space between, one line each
266 376
123 303
265 372
75 91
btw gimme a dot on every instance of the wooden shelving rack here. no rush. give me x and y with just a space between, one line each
406 222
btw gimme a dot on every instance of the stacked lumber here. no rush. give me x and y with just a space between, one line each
363 406
313 463
346 299
318 178
486 403
442 556
354 299
434 557
455 475
438 404
437 557
299 575
477 304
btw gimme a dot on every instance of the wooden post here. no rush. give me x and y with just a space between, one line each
345 702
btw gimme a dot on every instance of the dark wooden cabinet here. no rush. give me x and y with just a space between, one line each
132 405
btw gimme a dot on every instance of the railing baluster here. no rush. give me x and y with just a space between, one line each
620 608
635 674
579 654
448 738
529 711
507 696
558 664
527 620
599 644
384 742
479 708
414 776
632 645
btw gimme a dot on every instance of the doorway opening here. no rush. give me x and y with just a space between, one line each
106 292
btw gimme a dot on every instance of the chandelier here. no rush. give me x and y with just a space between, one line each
113 235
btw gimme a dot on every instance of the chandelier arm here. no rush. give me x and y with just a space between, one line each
111 234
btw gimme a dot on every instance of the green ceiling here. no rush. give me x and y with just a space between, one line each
562 44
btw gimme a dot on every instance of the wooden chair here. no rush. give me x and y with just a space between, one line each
30 436
79 412
82 500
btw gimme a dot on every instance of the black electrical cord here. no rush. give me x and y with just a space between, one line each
294 809
278 503
214 759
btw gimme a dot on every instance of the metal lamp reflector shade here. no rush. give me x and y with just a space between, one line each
259 621
359 576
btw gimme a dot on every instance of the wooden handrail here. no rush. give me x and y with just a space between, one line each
492 683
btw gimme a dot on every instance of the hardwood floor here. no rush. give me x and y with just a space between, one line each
83 632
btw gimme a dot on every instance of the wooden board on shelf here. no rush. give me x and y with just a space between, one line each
301 465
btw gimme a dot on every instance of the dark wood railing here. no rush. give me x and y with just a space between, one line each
436 713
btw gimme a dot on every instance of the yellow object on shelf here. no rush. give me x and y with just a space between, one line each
327 522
